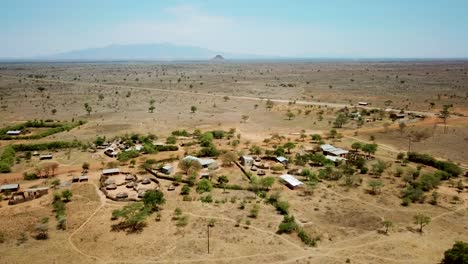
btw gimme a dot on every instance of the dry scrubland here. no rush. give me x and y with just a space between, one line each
347 219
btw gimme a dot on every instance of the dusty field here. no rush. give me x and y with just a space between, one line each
347 220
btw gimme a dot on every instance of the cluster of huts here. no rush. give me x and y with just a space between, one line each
17 196
110 183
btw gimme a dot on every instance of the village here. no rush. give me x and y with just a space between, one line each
269 179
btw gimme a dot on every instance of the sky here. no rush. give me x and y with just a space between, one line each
292 28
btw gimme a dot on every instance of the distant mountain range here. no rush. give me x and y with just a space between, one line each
158 52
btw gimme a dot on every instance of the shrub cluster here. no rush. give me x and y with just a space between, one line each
53 129
428 160
7 159
47 145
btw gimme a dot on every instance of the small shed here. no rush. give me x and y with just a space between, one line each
281 159
45 157
9 187
291 181
13 132
83 178
75 179
167 169
113 171
363 103
247 160
205 175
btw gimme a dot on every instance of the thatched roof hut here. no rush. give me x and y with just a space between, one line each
141 194
122 195
130 184
111 186
261 173
146 181
129 177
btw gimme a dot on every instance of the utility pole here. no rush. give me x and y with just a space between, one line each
208 226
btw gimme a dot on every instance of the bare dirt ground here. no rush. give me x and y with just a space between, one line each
348 220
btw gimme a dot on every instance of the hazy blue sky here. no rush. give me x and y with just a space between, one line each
327 28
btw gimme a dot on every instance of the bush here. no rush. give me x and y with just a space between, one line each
288 225
4 167
206 199
282 207
204 185
458 254
218 134
29 176
128 155
171 140
312 242
180 133
209 151
167 148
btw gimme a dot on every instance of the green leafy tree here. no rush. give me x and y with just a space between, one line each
85 166
204 185
153 199
193 109
67 195
356 146
289 146
340 120
369 148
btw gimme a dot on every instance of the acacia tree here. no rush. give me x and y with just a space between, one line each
421 220
340 120
290 115
356 146
133 215
193 109
387 225
228 158
189 166
289 145
445 114
369 148
151 107
245 118
375 186
88 108
223 180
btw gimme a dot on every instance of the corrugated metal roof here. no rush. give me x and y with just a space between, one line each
9 186
111 171
291 180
